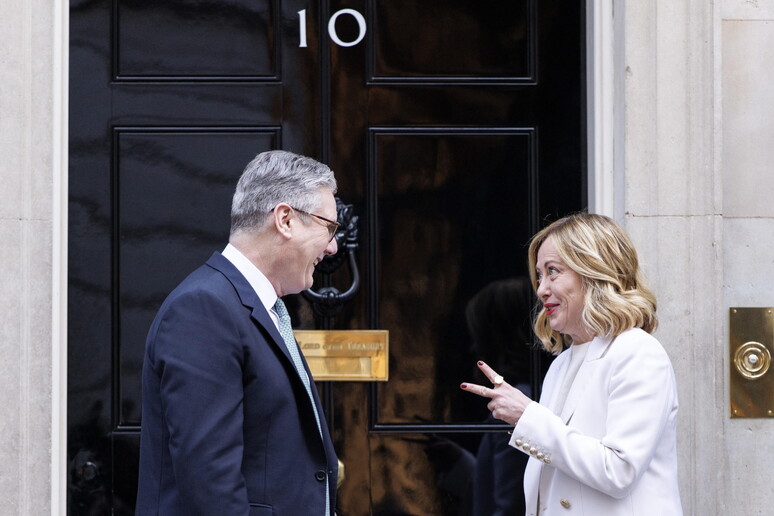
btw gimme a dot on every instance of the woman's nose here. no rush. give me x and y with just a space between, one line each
542 290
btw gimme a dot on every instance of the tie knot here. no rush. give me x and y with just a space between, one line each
279 307
285 326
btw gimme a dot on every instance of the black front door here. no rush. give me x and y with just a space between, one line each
455 129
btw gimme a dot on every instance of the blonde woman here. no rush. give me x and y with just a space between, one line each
602 439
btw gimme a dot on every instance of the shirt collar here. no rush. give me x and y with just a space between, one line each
253 275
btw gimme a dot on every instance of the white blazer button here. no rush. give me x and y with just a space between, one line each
565 503
518 442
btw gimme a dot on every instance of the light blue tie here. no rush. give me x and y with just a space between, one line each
286 331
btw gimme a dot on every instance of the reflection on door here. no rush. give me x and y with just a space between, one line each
455 128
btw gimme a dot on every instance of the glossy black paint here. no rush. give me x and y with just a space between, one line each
455 128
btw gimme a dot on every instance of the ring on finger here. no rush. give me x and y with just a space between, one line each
498 380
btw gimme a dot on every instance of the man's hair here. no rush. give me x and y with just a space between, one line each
615 297
274 177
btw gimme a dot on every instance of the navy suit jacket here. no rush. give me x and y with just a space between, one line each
227 425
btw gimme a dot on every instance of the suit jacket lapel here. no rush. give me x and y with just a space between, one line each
249 299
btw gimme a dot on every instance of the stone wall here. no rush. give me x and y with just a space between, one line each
745 72
699 147
26 178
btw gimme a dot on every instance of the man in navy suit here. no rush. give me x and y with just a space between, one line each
231 421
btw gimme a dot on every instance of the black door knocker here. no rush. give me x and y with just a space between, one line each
328 301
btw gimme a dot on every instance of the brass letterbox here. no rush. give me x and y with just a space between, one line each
346 355
751 345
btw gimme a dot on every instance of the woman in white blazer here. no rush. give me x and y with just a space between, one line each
602 439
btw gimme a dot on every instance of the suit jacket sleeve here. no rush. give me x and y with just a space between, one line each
627 400
197 355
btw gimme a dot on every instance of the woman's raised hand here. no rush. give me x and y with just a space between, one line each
507 403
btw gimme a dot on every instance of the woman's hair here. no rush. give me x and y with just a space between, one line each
615 297
273 177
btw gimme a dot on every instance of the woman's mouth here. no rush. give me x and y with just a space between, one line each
550 308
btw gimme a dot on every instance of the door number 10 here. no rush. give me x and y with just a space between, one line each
332 28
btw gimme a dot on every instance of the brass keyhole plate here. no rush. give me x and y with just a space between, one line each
750 346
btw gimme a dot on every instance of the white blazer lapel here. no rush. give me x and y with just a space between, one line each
597 349
574 394
553 380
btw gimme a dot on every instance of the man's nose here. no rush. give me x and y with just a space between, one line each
333 247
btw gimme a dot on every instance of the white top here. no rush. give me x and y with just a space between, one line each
255 278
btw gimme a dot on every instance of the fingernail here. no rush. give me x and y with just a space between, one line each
463 385
480 362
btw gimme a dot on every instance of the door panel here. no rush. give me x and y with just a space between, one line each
161 239
452 41
454 127
168 101
220 39
439 192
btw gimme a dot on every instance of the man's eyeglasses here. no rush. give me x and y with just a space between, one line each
332 226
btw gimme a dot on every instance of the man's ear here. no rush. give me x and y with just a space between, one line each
283 214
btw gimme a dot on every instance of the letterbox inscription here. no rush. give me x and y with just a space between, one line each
346 355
